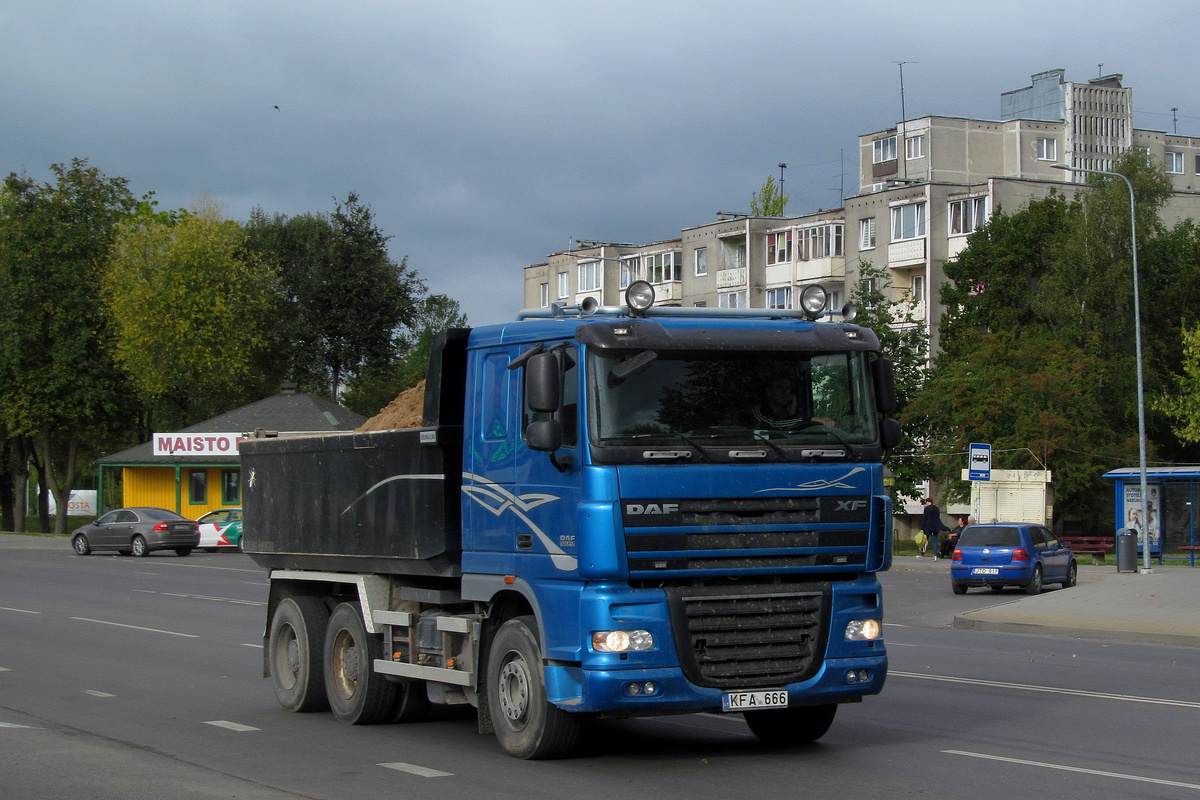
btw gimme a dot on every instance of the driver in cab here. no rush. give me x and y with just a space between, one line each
780 408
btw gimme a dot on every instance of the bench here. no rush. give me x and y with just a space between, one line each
1096 546
1191 551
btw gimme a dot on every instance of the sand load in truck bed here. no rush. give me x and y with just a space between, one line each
378 502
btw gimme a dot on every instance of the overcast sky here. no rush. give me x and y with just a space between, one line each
487 135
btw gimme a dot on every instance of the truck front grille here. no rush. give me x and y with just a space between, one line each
739 636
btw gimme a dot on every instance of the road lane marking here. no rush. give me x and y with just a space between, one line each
1025 687
136 627
413 769
14 725
204 597
259 646
97 693
18 610
1063 767
232 726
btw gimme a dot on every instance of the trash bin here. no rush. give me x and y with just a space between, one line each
1127 551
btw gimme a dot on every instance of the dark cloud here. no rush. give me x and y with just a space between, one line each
487 135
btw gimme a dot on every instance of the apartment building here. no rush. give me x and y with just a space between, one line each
924 186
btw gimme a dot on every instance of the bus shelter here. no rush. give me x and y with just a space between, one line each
1169 522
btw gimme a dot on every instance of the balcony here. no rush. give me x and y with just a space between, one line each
910 250
731 278
818 269
669 292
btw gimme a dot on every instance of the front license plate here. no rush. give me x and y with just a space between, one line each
986 571
747 701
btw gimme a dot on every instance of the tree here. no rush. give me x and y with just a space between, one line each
903 340
59 386
187 304
344 300
375 388
1037 342
770 201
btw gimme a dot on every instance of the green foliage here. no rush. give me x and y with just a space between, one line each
375 388
902 340
59 386
188 306
344 300
769 201
1038 345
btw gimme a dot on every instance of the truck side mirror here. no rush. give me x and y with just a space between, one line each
544 435
883 376
543 383
889 433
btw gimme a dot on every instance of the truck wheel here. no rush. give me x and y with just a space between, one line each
791 726
358 695
527 725
295 646
412 702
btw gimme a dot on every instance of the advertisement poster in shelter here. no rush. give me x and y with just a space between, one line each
1133 515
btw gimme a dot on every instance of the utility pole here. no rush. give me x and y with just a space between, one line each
782 196
900 145
1175 120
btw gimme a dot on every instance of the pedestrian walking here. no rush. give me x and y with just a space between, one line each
931 526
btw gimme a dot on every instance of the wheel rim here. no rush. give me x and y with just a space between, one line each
514 689
287 657
139 546
345 665
80 545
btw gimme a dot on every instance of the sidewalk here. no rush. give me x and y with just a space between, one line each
1162 607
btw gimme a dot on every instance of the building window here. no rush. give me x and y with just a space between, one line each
779 247
564 284
661 268
884 150
918 290
544 295
1198 164
908 222
700 260
1047 150
1174 162
231 486
914 147
823 241
866 234
733 299
590 276
779 298
629 271
967 215
198 487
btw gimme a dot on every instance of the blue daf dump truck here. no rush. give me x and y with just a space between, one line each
601 516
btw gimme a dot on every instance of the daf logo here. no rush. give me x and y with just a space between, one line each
636 509
851 505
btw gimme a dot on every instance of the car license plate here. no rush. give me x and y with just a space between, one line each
986 571
748 701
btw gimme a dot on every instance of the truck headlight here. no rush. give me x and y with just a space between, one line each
863 630
622 641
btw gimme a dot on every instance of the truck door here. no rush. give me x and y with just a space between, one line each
517 503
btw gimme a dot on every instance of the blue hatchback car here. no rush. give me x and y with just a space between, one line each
1003 554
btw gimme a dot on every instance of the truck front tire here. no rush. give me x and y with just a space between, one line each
526 724
358 695
296 645
791 726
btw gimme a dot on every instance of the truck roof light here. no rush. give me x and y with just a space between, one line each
639 296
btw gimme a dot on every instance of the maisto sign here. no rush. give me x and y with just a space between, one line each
196 444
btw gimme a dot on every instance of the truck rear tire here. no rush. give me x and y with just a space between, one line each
358 695
412 702
791 726
296 645
526 723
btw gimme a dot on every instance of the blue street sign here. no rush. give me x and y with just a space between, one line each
979 462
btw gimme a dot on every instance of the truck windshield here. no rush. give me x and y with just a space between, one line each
779 403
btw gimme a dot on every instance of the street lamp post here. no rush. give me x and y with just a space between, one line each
1137 332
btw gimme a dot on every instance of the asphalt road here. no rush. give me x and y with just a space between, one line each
141 678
